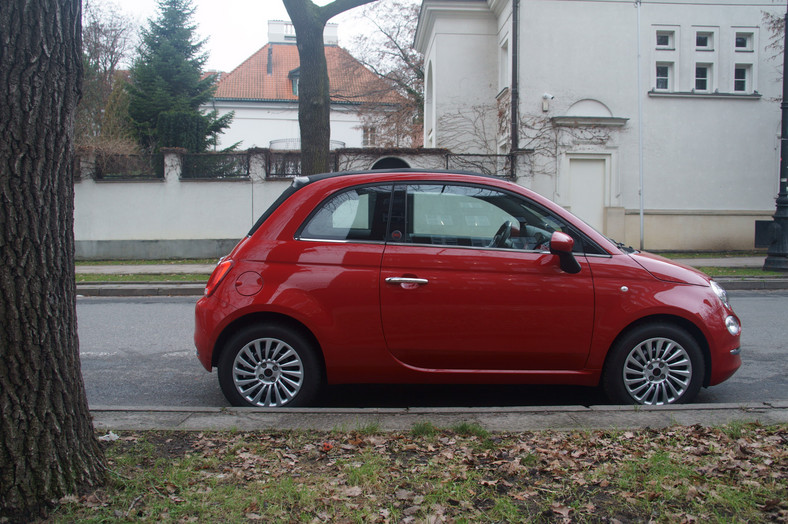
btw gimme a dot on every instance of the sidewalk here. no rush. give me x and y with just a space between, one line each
508 419
136 289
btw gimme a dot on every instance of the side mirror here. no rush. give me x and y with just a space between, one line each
561 244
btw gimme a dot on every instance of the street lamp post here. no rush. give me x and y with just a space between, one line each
777 255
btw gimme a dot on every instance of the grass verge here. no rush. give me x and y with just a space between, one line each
739 272
689 474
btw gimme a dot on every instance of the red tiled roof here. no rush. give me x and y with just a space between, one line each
349 81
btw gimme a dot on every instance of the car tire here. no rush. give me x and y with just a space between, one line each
269 366
654 364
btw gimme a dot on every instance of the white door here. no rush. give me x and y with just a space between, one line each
587 190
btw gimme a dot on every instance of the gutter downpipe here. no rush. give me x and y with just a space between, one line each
515 98
640 128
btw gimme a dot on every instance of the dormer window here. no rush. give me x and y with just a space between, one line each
293 76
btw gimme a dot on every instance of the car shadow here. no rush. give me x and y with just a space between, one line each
418 395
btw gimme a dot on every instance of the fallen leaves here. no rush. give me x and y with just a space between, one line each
679 474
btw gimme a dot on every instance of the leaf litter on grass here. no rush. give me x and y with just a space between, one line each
677 474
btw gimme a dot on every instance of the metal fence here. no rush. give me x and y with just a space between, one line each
287 164
126 167
215 166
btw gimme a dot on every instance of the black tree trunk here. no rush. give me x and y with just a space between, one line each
47 445
314 103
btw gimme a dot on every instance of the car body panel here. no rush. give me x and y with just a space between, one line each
485 309
485 315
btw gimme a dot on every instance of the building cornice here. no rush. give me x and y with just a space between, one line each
432 9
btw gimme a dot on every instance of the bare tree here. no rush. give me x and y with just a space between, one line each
388 52
107 39
473 133
314 103
47 445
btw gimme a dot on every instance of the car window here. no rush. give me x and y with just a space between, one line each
462 215
358 214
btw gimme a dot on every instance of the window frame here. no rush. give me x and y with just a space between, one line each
709 36
671 35
747 80
382 222
402 210
749 37
668 78
707 78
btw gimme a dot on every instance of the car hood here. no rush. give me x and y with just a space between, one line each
668 271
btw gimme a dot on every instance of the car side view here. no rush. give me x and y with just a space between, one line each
410 277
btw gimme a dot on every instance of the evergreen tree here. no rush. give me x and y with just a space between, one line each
167 86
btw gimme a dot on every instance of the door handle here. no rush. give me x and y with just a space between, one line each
406 280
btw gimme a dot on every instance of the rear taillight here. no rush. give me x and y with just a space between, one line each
217 276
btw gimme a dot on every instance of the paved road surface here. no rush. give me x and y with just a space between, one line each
139 352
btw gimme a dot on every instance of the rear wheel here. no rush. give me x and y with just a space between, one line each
654 364
269 366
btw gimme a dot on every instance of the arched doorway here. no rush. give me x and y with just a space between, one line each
390 162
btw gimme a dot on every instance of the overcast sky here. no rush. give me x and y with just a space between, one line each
235 28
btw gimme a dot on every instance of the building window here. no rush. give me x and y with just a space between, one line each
665 39
704 41
744 41
741 76
503 66
702 77
370 137
664 74
294 75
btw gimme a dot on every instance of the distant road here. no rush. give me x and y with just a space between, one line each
139 352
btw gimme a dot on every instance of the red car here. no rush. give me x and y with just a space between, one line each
435 277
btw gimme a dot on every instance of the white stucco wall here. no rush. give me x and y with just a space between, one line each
256 124
708 160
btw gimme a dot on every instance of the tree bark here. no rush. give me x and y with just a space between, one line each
314 103
47 445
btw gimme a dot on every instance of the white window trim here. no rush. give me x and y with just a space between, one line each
709 78
710 35
748 78
671 77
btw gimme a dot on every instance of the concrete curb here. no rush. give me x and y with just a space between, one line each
140 289
507 419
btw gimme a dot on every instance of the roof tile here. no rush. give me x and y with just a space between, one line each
349 80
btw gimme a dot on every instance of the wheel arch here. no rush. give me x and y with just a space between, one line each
259 318
688 326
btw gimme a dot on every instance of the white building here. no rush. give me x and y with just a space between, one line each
686 89
263 92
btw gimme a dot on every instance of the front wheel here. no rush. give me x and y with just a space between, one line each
654 364
269 366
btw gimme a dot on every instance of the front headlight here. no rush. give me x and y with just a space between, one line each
734 328
721 293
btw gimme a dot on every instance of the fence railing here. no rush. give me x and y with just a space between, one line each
273 164
215 165
125 167
284 164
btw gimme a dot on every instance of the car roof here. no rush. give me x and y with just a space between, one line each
300 181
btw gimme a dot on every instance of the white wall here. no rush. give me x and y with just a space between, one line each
183 218
256 124
709 160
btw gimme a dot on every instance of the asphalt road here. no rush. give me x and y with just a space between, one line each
139 352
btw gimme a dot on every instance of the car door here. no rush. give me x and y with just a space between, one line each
456 295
